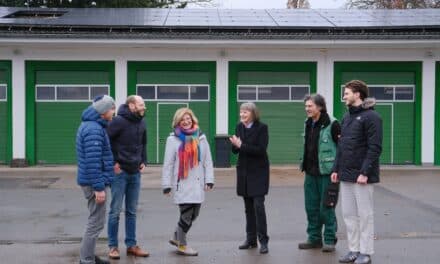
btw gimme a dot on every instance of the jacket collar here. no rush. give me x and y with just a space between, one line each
324 120
249 131
368 103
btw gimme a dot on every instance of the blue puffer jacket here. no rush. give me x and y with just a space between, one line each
94 155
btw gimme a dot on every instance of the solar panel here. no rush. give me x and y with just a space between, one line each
411 17
298 18
193 17
246 17
352 18
270 18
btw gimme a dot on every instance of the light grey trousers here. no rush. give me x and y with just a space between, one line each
95 224
358 214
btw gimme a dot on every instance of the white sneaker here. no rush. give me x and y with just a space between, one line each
186 251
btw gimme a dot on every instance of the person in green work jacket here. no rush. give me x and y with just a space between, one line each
321 133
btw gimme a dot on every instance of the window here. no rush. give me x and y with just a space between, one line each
299 92
45 93
72 93
173 92
247 93
381 93
404 93
3 92
272 93
69 93
98 90
389 93
147 92
199 92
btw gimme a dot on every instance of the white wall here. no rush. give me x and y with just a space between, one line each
325 56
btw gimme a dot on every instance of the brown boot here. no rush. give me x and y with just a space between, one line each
114 253
137 252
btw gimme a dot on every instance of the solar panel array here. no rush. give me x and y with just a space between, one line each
230 18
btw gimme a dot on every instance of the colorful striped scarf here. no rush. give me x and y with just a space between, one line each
189 150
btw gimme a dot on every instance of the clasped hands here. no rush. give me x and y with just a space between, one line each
236 141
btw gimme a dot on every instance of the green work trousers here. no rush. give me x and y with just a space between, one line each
318 214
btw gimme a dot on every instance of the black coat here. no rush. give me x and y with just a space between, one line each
128 138
360 144
253 163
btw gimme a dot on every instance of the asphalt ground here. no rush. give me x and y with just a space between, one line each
43 215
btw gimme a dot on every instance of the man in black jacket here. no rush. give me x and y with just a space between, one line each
128 138
357 167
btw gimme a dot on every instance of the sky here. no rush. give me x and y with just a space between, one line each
269 4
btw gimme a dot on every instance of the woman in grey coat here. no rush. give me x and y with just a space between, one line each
187 172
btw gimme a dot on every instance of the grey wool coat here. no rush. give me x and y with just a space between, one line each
191 189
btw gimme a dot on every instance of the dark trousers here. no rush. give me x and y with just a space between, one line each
188 213
256 226
319 216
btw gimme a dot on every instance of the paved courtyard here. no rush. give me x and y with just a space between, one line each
43 214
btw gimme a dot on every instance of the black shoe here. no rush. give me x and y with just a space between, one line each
264 249
309 245
98 260
328 248
248 245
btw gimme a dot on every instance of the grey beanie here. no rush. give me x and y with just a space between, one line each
103 103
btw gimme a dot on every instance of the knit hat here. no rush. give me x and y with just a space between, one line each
103 103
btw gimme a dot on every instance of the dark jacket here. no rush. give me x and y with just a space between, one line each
95 159
128 137
253 163
310 162
360 144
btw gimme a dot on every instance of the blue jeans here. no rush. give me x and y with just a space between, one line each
127 185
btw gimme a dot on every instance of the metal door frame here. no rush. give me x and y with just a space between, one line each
392 129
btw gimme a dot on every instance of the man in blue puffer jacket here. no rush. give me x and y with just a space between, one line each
95 170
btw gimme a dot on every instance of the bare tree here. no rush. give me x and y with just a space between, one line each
294 4
392 4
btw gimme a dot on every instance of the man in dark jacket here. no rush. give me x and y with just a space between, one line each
95 170
357 167
128 138
321 136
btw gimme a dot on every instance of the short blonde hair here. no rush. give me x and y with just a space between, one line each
251 107
178 116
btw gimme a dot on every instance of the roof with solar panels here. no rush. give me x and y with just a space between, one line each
220 23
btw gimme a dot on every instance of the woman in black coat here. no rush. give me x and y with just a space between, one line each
250 143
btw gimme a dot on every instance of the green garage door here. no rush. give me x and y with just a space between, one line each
278 89
5 112
168 86
396 89
61 95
